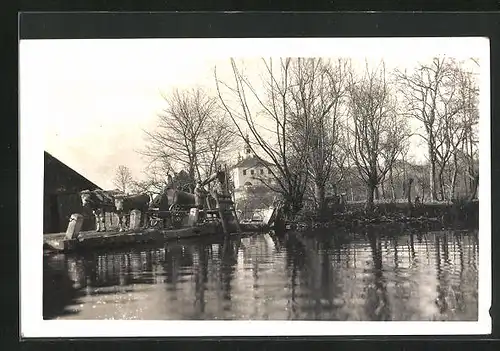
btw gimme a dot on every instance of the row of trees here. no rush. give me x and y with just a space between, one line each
332 118
443 97
325 124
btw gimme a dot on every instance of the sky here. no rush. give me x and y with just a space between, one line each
92 99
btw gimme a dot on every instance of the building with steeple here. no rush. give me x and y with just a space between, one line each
250 171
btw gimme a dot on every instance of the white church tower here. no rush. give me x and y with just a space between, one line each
248 170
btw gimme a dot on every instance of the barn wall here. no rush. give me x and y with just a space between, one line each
61 196
69 204
56 220
47 225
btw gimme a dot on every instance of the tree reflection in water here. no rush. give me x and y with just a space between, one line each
228 261
201 279
317 276
377 306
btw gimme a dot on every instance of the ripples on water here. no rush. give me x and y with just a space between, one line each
432 276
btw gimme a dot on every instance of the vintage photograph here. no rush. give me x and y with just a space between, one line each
281 180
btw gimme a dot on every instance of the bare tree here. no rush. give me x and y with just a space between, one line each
148 186
397 177
157 172
318 91
123 179
428 92
377 130
183 131
452 128
273 104
468 119
220 138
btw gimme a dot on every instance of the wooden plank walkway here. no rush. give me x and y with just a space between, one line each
85 234
246 227
93 240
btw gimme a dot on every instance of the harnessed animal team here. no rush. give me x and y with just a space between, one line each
101 202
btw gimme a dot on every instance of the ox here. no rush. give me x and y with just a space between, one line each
125 204
100 202
174 200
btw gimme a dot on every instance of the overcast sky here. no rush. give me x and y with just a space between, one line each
90 99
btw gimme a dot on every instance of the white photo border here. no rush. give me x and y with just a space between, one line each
31 195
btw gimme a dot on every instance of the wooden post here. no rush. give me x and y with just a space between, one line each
225 207
226 185
410 206
135 219
74 226
410 182
236 221
269 217
221 207
193 216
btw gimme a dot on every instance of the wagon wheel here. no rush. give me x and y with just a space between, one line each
177 215
154 220
175 210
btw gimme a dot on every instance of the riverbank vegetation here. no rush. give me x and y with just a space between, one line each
354 216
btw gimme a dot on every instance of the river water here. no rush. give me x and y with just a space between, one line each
301 276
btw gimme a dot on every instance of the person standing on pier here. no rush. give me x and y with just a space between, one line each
199 195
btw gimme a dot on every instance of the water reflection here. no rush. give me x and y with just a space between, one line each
425 276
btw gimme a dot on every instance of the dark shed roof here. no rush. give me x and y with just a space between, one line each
59 178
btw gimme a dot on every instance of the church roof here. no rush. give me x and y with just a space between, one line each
252 162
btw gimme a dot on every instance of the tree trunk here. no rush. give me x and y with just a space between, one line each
454 176
296 205
441 184
194 171
393 190
476 185
405 177
452 185
352 190
473 184
408 191
432 173
466 183
319 195
292 206
192 176
370 192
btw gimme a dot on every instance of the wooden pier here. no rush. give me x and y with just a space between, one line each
92 240
60 242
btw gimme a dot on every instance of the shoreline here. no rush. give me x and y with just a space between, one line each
425 216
